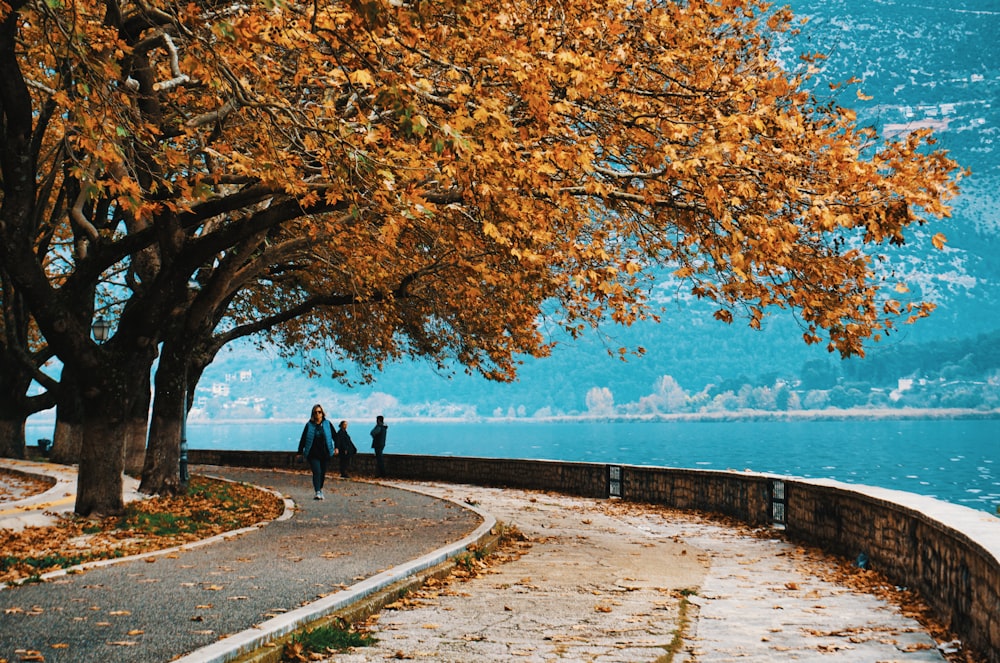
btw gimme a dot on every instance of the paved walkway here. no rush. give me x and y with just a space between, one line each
236 590
594 581
32 509
609 581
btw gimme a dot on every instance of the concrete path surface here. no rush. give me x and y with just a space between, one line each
615 582
36 509
593 580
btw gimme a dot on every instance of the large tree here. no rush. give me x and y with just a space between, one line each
22 357
441 173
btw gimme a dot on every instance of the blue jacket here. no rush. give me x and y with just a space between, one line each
309 432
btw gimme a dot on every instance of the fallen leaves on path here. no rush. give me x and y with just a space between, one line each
210 507
20 485
821 564
512 543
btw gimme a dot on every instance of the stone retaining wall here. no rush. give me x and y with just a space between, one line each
745 497
948 553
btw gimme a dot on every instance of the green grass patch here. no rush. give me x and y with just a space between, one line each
323 640
207 505
210 506
159 524
41 562
216 491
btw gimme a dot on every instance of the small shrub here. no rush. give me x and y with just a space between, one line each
509 532
323 640
466 561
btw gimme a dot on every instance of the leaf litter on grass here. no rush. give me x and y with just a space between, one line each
210 507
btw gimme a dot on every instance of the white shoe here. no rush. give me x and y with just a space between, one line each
319 495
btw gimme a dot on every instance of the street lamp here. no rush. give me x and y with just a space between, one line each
101 329
193 288
183 468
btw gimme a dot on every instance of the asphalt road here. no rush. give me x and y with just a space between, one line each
155 609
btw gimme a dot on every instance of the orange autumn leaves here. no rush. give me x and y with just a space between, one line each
569 152
210 508
439 173
20 485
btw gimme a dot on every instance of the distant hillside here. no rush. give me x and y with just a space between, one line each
758 370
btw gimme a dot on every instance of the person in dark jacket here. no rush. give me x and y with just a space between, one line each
378 444
344 448
317 446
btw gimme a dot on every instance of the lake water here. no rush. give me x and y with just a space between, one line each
956 460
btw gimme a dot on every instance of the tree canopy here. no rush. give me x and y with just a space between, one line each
430 178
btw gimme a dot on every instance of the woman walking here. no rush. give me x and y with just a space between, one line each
317 446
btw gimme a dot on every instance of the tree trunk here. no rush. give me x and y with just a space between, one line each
66 442
12 437
135 445
108 397
68 435
13 387
99 486
161 471
135 433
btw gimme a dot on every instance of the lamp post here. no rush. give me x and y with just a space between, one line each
183 469
102 328
193 288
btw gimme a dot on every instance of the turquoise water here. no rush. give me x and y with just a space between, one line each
957 460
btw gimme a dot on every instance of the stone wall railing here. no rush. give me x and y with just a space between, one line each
948 553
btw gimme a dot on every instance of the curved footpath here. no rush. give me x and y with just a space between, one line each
596 580
250 585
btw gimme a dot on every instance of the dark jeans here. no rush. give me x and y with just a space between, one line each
345 462
379 463
318 466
